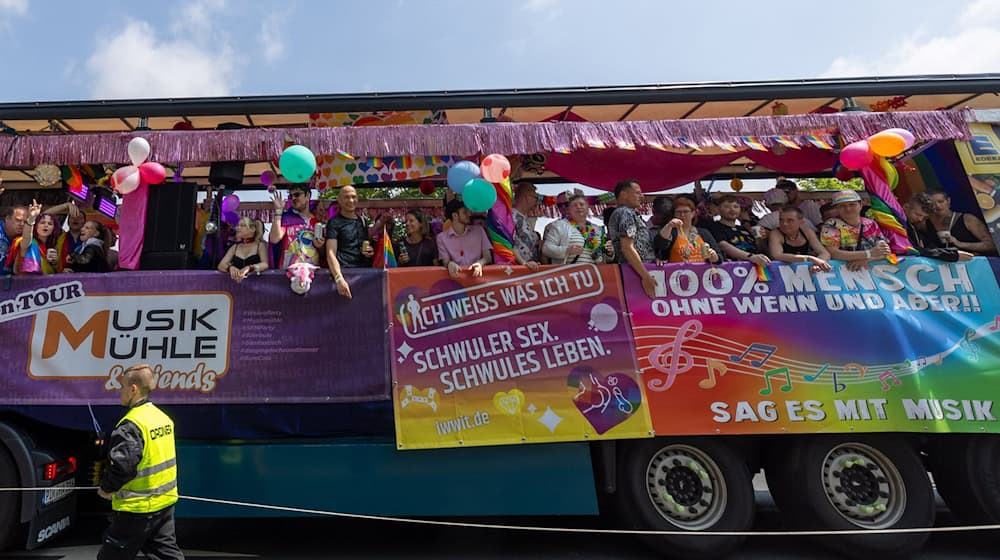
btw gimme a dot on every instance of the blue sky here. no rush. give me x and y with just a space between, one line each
60 50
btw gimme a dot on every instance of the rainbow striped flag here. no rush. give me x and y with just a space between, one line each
880 177
376 162
342 153
754 143
787 142
388 254
819 142
726 146
763 273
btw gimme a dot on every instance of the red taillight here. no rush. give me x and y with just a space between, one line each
59 468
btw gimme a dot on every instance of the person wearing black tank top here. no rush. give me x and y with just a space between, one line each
956 229
792 242
248 254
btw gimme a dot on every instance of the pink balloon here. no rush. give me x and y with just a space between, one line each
905 134
495 168
152 173
126 179
856 155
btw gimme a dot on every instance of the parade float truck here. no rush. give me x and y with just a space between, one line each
560 391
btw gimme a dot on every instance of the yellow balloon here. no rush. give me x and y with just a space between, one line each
887 144
736 184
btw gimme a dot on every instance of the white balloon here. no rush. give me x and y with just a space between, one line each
126 179
138 150
603 318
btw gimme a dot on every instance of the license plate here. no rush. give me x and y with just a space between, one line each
58 492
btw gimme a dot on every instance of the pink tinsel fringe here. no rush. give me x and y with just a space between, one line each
261 144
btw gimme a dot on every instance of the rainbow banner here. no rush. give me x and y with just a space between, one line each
894 348
512 357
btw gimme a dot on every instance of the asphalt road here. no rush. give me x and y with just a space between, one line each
293 538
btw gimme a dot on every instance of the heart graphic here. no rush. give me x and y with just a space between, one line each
326 171
605 401
321 185
414 174
442 169
350 167
358 179
509 402
418 162
445 159
363 166
386 177
400 175
338 169
373 178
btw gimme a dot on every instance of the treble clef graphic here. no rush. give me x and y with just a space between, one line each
671 358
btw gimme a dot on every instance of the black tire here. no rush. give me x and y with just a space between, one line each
10 502
967 474
890 489
719 477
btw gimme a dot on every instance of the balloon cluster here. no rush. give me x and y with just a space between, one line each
888 143
129 178
230 203
475 182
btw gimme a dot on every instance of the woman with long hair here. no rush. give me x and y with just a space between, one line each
249 254
35 251
418 247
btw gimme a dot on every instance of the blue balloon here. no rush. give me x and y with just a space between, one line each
460 174
479 195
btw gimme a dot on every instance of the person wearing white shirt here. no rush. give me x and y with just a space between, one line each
575 240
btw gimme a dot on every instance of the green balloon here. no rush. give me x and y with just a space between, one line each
297 164
479 195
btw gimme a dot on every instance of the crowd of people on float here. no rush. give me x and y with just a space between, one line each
685 228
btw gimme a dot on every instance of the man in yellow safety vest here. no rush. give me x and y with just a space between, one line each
141 476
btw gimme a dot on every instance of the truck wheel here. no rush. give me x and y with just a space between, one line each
967 474
841 483
685 485
10 502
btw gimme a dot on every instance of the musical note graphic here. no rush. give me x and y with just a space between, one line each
766 349
861 369
996 324
815 376
671 358
714 367
838 386
784 388
972 348
887 375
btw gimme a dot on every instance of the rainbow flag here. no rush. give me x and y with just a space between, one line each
754 143
819 142
787 142
880 177
342 153
388 254
376 162
763 273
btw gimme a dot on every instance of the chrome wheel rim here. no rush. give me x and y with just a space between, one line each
686 487
864 486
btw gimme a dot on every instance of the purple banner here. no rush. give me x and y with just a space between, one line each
66 338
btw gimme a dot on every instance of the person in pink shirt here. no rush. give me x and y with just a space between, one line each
463 245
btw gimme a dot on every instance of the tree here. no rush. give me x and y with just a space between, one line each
830 184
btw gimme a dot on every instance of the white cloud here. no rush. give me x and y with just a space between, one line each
13 7
195 18
136 63
270 37
971 44
544 10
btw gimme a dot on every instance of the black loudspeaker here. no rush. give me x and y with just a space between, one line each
227 174
169 226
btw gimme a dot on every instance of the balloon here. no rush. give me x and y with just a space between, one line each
231 218
907 136
856 155
267 178
479 195
887 144
230 203
495 168
460 174
126 179
427 187
138 150
297 163
152 173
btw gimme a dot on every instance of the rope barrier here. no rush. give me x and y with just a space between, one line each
460 524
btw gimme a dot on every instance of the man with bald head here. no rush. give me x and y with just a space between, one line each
140 478
347 241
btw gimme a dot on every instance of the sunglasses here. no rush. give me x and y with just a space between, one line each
296 194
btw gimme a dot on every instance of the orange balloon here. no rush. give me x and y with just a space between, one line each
887 144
